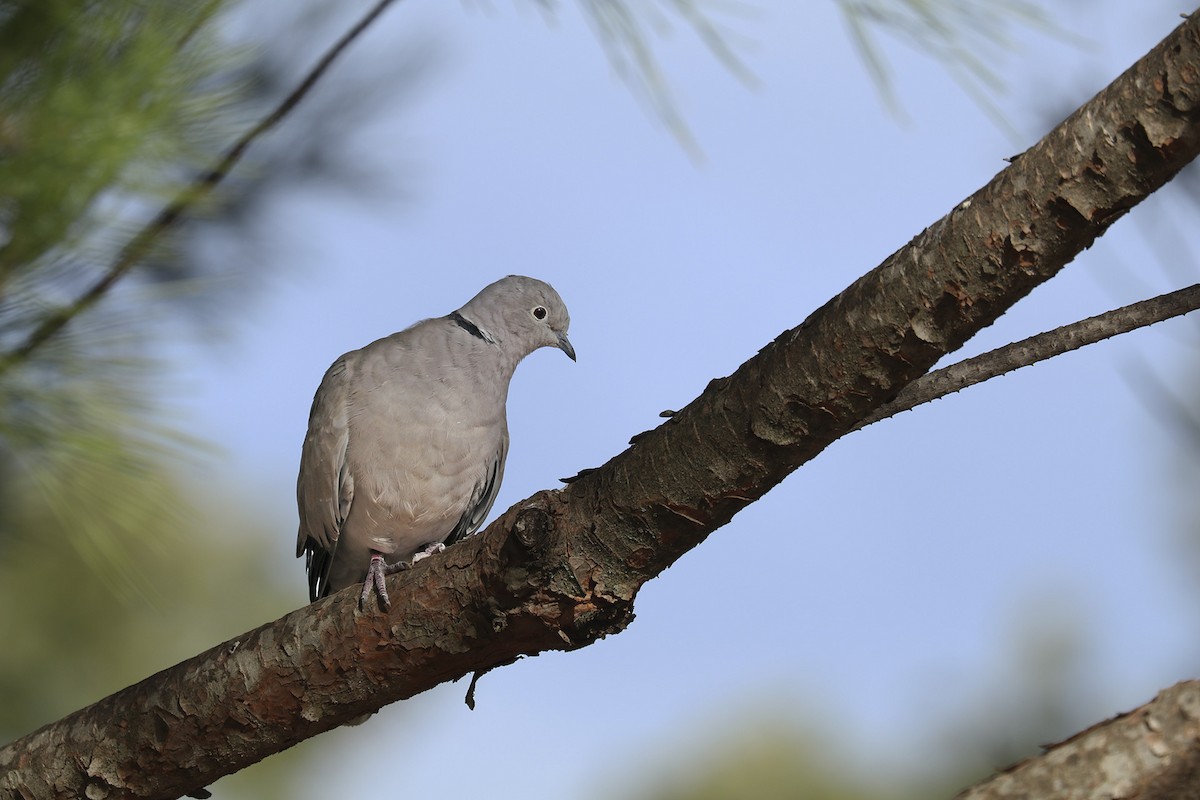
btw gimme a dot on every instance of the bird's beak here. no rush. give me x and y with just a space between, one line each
564 344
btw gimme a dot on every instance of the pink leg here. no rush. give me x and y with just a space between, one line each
374 580
380 568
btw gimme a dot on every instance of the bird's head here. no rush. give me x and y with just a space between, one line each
521 314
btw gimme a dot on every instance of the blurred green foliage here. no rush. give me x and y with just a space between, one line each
69 640
764 759
105 109
96 98
108 572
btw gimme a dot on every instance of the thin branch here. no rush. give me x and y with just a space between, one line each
139 246
986 366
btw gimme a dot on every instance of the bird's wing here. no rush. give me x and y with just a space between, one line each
483 496
325 487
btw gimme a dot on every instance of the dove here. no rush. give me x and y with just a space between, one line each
408 435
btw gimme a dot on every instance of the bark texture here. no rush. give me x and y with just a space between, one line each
561 569
1150 753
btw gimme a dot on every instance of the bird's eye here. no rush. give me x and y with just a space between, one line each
539 312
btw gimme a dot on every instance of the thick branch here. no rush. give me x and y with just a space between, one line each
1026 352
561 569
1150 753
144 240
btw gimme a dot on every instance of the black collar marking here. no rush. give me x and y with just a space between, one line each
468 326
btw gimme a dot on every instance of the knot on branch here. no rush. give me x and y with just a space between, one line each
532 529
786 422
524 557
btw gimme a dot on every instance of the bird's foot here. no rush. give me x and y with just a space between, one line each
430 550
379 569
374 580
399 566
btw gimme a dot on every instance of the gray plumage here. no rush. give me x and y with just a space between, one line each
407 436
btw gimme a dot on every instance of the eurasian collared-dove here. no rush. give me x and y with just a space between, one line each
407 436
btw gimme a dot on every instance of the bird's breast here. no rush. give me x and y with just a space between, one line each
417 469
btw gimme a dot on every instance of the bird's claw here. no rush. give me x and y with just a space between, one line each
399 566
374 581
379 569
430 549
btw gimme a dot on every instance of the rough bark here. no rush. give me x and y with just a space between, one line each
561 569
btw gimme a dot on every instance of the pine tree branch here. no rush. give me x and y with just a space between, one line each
140 245
1026 352
1150 753
561 569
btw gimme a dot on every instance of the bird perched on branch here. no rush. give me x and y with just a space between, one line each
407 437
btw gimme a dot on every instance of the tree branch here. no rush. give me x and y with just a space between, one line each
140 244
561 569
1026 352
1150 753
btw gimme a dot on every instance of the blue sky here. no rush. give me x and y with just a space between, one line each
878 591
